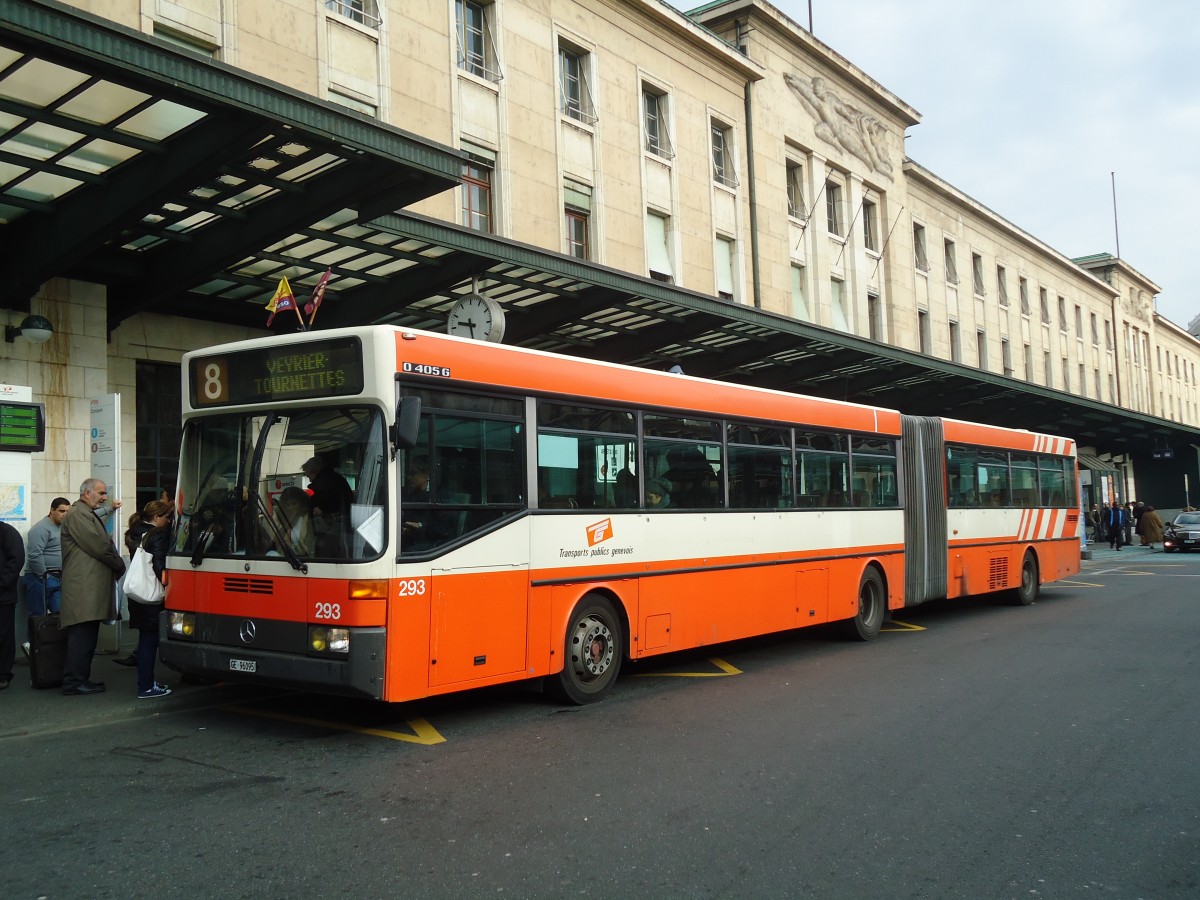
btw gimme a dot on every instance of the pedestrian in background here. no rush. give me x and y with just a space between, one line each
91 565
1116 524
12 559
1152 527
43 558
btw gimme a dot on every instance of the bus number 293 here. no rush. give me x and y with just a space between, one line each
328 611
412 587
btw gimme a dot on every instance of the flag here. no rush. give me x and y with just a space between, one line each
318 294
283 300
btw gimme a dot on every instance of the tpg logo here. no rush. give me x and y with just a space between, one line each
600 531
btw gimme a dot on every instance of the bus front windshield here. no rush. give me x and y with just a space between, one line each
301 484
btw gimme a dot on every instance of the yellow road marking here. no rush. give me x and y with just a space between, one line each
424 732
726 669
904 626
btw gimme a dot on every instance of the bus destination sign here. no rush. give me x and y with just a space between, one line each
313 369
22 427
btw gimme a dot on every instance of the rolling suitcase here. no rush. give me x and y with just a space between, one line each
47 651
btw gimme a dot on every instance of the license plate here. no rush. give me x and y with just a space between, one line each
243 665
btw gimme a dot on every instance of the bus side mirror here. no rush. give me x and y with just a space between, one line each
408 421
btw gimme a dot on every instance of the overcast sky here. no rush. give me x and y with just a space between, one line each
1029 106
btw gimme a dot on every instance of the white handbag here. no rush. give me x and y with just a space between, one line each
141 584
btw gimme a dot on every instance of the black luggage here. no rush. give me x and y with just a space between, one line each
47 651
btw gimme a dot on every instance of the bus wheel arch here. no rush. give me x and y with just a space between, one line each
595 644
1026 591
871 605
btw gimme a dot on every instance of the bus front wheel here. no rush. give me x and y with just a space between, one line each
594 649
1027 591
872 607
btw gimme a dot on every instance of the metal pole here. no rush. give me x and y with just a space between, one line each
1116 230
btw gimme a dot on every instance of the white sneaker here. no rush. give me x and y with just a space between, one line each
25 649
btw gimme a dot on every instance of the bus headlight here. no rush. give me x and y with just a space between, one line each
329 640
182 624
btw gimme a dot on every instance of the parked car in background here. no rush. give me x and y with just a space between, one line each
1183 533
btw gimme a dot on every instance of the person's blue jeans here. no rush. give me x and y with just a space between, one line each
36 599
147 654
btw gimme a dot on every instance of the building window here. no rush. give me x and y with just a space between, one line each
577 233
1079 322
574 86
924 340
159 425
981 351
951 260
919 249
1002 286
725 260
1029 364
1096 382
795 190
1062 313
870 213
833 208
1082 381
476 47
654 118
1095 335
364 12
658 247
837 305
955 343
1023 289
800 308
1044 298
722 155
477 193
977 275
577 210
1108 336
1049 371
1066 370
875 318
1006 357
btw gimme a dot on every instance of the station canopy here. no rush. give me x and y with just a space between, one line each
189 188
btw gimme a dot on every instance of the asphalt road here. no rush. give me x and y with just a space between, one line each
974 750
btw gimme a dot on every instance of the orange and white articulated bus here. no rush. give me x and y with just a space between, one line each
395 514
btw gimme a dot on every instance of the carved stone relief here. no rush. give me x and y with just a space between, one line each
843 124
1136 305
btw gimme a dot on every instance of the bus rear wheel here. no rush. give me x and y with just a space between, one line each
872 608
594 647
1027 591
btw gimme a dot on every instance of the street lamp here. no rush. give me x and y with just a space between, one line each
35 329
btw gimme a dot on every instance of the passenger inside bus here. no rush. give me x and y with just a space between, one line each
658 493
693 480
331 498
292 522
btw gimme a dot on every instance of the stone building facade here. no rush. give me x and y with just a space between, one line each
729 152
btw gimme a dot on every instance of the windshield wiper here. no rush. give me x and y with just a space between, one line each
280 539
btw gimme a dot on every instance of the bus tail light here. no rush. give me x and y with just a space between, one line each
375 589
325 640
182 624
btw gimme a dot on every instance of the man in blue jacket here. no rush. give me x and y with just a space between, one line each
1115 524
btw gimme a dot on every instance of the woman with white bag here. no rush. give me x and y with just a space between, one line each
153 538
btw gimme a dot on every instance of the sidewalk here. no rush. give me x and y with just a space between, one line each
26 711
1127 552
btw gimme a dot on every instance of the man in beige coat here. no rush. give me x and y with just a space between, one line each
90 566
